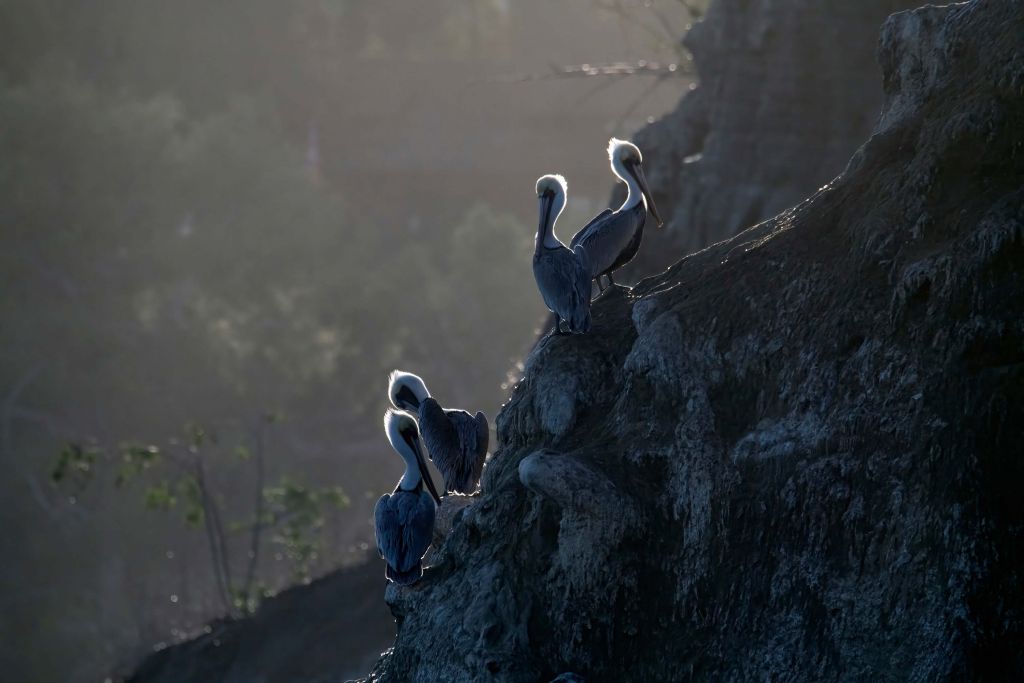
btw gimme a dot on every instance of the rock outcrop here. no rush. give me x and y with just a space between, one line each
787 92
794 455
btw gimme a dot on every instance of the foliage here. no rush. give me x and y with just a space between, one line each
177 478
167 252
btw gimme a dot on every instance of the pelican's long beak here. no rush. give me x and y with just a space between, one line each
642 179
547 200
424 472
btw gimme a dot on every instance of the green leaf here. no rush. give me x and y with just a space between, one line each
160 497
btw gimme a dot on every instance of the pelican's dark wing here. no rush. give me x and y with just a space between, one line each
416 512
404 523
582 274
473 437
385 523
607 239
558 272
582 232
441 439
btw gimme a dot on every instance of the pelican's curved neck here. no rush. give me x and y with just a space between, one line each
634 195
549 214
411 478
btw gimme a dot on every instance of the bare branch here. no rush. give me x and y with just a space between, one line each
637 102
257 527
8 412
614 69
214 537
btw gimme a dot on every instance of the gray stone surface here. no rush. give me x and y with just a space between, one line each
788 90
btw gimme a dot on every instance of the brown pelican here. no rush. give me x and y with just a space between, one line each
456 441
563 275
404 520
612 238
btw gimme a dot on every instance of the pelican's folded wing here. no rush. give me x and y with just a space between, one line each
441 439
585 231
386 526
472 449
417 516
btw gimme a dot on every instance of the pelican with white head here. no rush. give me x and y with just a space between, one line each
404 519
612 238
456 441
562 274
627 165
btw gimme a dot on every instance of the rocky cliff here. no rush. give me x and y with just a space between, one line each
787 92
792 456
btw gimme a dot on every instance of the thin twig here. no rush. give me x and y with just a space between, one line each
614 69
665 37
8 413
636 103
221 577
257 528
602 85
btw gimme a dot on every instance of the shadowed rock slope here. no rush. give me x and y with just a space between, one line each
319 633
788 91
792 456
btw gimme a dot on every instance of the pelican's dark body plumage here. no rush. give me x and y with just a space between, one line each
404 519
612 238
456 440
563 275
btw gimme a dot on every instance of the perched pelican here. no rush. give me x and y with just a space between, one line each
563 275
405 518
612 238
456 441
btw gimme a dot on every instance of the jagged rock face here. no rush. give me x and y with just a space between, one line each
788 91
792 456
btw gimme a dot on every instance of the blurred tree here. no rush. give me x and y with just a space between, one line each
158 264
168 253
180 476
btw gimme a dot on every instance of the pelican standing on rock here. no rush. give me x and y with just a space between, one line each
404 520
563 275
456 441
612 238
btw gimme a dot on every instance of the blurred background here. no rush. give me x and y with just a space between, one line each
222 224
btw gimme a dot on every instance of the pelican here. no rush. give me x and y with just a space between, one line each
612 238
563 275
405 519
456 441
